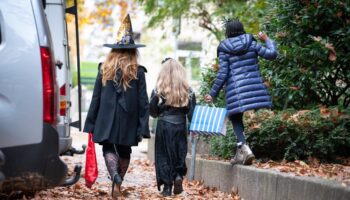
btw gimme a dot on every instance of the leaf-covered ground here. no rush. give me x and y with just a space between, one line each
329 171
140 180
139 183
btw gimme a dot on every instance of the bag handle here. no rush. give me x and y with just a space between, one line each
211 104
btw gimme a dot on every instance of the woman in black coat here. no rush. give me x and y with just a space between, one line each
118 114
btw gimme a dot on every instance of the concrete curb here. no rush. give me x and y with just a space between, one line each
252 183
262 184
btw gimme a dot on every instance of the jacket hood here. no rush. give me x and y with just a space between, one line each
236 45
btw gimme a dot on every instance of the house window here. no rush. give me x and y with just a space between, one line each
192 65
189 54
195 68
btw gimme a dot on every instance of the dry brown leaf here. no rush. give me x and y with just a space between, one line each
215 67
324 111
295 117
332 56
302 163
332 53
317 39
294 88
139 170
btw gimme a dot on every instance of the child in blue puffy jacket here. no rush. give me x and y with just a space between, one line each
245 88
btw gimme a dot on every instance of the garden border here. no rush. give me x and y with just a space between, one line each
264 184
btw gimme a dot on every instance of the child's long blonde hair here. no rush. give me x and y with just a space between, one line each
172 84
123 59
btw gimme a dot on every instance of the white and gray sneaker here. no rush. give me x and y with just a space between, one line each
243 156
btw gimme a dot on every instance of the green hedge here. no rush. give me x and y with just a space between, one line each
313 63
321 133
223 147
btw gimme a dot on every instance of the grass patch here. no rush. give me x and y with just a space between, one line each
89 69
88 72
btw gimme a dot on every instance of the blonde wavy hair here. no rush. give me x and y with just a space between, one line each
120 59
172 84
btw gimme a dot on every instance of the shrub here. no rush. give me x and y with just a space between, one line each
321 133
208 78
224 146
314 55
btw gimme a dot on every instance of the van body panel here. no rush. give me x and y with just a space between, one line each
55 12
30 146
55 1
41 24
36 166
21 92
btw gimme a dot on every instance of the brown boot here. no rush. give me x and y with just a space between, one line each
123 166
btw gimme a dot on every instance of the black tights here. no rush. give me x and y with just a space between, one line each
112 154
238 127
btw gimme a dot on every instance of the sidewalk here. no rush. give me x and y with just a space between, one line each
139 182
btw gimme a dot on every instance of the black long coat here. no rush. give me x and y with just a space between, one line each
117 116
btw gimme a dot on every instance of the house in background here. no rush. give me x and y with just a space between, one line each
183 40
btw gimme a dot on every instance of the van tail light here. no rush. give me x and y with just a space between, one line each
63 100
49 86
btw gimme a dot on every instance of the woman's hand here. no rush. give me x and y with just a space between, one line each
262 36
208 98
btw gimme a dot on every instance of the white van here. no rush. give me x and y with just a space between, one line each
30 116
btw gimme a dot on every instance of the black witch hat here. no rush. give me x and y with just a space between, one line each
125 37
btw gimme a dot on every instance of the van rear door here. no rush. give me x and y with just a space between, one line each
21 90
55 13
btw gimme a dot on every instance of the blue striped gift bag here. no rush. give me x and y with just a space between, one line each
208 121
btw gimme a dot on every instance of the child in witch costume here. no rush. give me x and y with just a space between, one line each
173 103
245 89
119 110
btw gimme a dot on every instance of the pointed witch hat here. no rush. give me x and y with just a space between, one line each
125 38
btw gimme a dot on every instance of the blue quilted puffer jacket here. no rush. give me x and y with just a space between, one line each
239 70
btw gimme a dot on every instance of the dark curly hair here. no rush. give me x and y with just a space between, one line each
234 28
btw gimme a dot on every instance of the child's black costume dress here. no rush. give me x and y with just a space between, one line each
171 138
